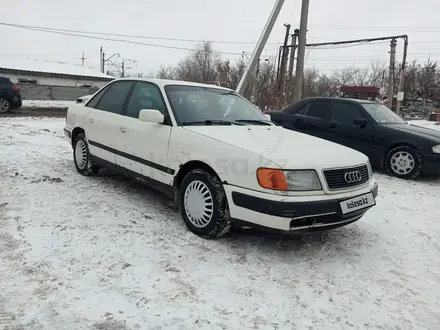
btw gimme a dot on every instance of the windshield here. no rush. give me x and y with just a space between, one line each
193 104
381 114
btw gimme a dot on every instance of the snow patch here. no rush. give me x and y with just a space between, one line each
47 104
105 252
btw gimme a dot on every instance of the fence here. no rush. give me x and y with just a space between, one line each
57 93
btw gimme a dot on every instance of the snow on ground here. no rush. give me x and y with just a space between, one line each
425 123
106 253
47 104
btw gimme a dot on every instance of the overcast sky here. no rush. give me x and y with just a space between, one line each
225 20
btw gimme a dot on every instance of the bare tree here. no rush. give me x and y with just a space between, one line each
201 66
166 72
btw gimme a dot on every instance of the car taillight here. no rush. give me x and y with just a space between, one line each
15 88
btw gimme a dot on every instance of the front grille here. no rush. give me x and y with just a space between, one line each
336 179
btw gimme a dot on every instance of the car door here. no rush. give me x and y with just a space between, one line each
345 131
102 122
142 146
313 119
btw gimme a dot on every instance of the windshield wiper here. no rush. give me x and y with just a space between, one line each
252 121
210 122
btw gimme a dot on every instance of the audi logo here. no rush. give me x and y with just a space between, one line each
353 177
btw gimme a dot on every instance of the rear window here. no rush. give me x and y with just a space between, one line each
5 81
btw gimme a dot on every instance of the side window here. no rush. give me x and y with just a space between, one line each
297 109
113 101
319 109
303 109
94 101
145 96
346 112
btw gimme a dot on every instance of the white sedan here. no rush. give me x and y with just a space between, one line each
219 157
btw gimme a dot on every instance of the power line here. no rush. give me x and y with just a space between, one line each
31 27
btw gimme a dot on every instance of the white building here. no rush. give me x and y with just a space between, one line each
40 72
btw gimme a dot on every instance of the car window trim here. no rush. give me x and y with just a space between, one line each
97 104
167 120
105 88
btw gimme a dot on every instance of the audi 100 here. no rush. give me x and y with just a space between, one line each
219 157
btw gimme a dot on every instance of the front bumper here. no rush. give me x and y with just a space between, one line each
289 213
431 163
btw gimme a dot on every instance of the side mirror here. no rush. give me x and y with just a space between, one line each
151 116
362 122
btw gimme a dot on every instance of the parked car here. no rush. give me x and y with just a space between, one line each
219 157
403 150
10 96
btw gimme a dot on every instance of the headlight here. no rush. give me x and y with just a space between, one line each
302 180
436 149
370 170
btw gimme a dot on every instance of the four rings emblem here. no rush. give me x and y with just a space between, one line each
353 177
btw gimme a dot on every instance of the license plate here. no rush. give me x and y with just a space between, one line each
357 203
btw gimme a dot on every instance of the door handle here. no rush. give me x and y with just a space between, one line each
90 120
123 129
333 126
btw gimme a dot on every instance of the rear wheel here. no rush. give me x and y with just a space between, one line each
203 204
5 105
81 156
404 162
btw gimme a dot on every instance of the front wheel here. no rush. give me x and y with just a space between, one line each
81 156
203 204
404 162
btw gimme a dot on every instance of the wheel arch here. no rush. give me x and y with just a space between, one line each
393 146
189 166
75 133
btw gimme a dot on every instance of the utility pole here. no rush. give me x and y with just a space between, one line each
106 60
260 46
103 62
393 44
291 64
402 73
299 75
101 59
284 58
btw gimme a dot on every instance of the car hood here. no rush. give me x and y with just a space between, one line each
288 149
418 130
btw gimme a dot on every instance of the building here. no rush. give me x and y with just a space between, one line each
40 72
360 92
43 80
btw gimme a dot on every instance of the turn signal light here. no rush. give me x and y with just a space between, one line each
272 179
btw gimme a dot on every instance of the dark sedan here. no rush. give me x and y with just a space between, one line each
10 97
403 150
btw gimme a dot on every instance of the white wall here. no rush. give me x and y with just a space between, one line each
72 82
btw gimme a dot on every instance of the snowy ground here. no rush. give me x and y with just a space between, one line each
106 253
47 104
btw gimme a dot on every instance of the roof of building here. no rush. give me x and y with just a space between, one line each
59 68
359 89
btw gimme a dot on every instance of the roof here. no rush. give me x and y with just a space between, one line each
39 66
165 82
325 98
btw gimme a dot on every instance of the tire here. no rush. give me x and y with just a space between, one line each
5 105
81 157
404 162
211 221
